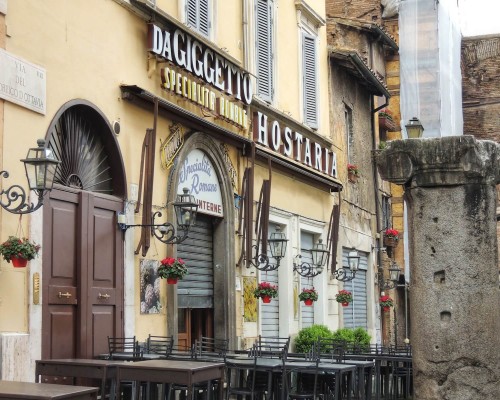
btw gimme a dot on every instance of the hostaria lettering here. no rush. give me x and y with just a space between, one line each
293 145
186 52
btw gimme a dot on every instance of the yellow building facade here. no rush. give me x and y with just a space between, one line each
138 100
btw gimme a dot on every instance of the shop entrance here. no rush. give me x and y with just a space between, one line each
194 323
196 291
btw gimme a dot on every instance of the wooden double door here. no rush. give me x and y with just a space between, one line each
82 279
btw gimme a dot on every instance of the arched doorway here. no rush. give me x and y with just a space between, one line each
83 247
218 318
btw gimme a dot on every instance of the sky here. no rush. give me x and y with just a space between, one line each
479 17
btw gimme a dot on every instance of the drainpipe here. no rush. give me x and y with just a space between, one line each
379 242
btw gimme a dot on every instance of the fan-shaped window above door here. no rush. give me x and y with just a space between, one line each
84 143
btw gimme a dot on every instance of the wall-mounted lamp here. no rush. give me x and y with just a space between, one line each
414 128
348 273
394 272
185 207
237 201
277 246
40 165
319 255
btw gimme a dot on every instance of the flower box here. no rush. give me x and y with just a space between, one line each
387 124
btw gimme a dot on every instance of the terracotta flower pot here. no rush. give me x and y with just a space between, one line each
308 302
386 308
266 299
390 241
352 177
345 304
19 262
172 281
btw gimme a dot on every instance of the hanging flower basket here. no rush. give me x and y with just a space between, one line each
172 269
308 296
391 238
266 291
386 302
352 173
386 121
344 297
19 251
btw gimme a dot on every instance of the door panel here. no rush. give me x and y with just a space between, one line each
62 321
82 275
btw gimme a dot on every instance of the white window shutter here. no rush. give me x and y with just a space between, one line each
264 44
310 84
198 15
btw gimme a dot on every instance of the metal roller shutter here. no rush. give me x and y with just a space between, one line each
196 290
355 315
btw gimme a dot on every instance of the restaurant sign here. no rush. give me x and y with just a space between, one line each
198 175
201 63
293 144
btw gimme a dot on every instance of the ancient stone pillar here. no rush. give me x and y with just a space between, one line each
454 278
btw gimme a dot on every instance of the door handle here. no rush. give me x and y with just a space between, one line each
104 296
61 294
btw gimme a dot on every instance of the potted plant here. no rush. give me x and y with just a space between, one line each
352 173
385 302
386 120
19 251
391 237
172 269
344 297
265 291
308 296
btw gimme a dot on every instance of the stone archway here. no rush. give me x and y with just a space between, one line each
223 237
82 284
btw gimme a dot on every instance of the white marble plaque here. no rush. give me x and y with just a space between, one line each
22 82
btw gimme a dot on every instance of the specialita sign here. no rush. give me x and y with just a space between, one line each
198 175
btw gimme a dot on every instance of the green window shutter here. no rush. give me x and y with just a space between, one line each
310 84
264 46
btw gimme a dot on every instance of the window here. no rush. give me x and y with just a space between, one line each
386 212
264 49
310 78
198 16
349 134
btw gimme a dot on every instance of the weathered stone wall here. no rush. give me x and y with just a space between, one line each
455 314
481 86
369 10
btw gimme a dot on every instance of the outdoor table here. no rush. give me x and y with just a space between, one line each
80 368
45 391
379 360
338 369
275 365
363 368
181 372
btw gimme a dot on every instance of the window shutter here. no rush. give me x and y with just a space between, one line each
198 15
191 14
264 44
203 17
310 80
